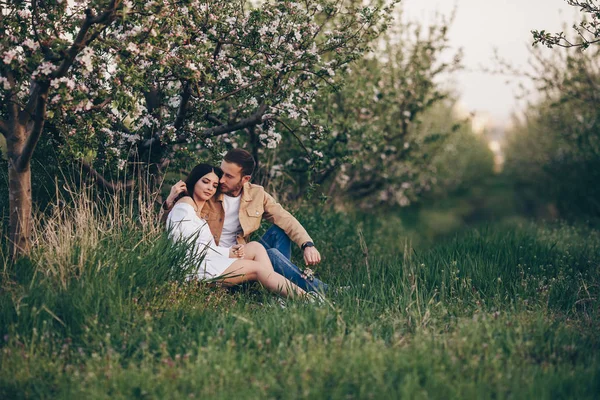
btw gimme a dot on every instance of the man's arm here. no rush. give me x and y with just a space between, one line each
276 214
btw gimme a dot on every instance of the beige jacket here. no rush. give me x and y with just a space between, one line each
255 205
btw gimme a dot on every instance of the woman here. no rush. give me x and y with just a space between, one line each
234 265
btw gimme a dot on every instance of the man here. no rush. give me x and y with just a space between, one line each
237 212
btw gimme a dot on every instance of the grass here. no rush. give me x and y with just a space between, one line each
102 310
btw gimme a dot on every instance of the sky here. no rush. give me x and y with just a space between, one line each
480 27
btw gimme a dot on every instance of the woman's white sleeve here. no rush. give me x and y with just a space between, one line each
183 225
181 222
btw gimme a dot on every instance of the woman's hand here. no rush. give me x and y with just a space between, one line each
236 251
176 190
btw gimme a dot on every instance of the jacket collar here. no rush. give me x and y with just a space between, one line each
246 196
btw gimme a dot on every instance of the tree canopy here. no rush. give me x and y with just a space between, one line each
120 77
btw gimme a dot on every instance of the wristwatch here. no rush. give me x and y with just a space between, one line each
307 244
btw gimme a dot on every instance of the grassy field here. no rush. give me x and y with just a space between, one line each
102 310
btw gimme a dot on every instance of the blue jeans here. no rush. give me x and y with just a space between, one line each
279 249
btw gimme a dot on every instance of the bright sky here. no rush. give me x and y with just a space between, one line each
484 25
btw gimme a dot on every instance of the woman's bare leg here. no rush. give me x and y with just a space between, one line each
249 270
257 252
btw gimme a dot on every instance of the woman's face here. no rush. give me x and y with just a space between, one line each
206 186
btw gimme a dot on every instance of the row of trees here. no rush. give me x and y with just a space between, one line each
553 153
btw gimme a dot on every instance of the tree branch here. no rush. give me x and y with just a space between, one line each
182 111
105 183
246 86
34 97
254 119
153 101
212 118
79 43
12 108
80 40
49 55
100 106
360 189
3 129
296 136
95 107
222 129
33 136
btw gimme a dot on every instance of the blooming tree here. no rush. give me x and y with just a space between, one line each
39 46
377 148
157 78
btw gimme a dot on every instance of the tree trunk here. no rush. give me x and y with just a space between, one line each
19 186
20 210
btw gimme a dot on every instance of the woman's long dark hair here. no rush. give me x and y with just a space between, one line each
194 176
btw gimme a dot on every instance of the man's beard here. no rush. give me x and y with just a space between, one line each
233 190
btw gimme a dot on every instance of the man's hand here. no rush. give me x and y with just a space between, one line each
311 256
176 190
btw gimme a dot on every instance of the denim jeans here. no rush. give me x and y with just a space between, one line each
279 249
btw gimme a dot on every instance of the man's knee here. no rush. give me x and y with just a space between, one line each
275 254
277 230
276 233
281 263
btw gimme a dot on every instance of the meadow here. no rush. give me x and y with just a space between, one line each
102 309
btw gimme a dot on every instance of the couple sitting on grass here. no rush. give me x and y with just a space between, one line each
216 209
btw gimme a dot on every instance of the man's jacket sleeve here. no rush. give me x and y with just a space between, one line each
276 214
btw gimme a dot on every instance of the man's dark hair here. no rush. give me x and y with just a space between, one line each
243 159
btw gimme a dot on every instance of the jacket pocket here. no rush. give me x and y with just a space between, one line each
254 212
254 215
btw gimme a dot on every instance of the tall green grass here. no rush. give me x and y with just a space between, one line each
102 309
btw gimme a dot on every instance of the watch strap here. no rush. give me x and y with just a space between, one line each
307 244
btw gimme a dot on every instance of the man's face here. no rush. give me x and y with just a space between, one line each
232 181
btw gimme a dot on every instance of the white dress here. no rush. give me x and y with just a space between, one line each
184 224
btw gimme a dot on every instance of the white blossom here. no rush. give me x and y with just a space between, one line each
45 68
132 47
5 83
85 58
25 14
9 56
31 44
